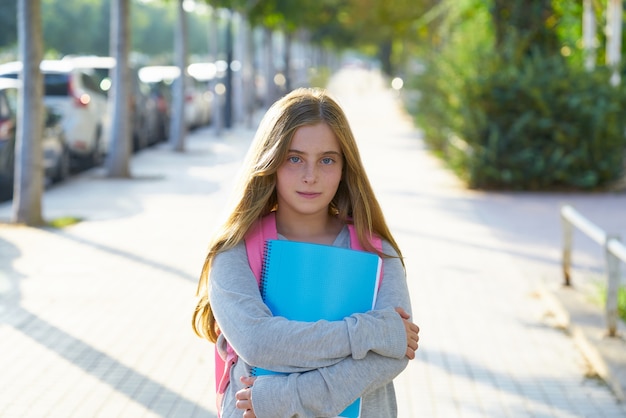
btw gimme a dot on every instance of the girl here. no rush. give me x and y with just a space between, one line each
305 167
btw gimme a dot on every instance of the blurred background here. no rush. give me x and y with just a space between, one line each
521 95
508 95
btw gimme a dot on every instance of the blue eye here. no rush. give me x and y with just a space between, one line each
327 161
294 159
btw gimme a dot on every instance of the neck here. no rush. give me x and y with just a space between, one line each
321 229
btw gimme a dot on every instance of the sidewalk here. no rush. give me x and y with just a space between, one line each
95 318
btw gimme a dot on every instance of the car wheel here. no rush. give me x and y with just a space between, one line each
97 154
63 167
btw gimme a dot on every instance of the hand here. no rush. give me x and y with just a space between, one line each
412 333
244 397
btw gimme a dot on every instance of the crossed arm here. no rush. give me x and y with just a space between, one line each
316 379
367 350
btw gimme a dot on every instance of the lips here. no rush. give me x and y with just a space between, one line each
308 195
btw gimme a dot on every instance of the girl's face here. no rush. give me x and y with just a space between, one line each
309 177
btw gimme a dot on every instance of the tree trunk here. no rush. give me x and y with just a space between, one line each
589 34
228 100
118 158
288 61
249 72
218 94
384 55
29 170
178 129
268 68
614 13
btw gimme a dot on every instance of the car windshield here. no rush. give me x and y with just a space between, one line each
56 84
8 104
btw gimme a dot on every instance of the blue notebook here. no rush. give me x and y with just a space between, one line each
308 282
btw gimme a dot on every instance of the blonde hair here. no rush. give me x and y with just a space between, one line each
255 195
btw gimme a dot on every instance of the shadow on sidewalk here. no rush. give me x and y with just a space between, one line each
136 258
451 363
123 379
141 389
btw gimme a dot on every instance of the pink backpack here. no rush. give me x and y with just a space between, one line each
255 239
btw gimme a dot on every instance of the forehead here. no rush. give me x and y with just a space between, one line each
315 139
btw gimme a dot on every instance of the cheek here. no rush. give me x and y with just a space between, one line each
333 176
284 174
284 177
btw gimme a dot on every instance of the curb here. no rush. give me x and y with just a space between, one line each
587 326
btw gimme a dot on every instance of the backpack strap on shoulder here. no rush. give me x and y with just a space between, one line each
377 242
264 229
356 245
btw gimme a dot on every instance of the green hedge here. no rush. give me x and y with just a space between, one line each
534 125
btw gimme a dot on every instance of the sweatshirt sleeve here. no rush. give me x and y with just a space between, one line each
290 346
323 392
393 293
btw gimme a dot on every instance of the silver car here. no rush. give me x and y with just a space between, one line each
74 94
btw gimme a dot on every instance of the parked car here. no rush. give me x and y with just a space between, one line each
161 93
75 95
203 74
143 105
198 100
56 158
56 152
8 105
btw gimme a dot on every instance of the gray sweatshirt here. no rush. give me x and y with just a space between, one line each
330 364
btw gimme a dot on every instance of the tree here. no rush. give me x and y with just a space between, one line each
532 22
178 129
615 21
118 158
153 28
29 173
91 16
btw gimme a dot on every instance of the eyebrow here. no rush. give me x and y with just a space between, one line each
295 151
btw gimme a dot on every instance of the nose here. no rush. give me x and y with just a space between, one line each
310 174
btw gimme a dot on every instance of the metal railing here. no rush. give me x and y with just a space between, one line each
614 251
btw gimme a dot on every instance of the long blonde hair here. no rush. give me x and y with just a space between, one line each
255 195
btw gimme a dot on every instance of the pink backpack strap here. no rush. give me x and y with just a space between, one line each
377 242
263 230
222 374
356 245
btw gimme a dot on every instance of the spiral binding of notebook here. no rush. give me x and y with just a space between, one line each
263 282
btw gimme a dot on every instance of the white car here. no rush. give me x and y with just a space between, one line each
198 100
55 153
75 95
143 106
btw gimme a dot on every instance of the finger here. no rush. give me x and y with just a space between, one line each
247 380
243 394
243 404
403 314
